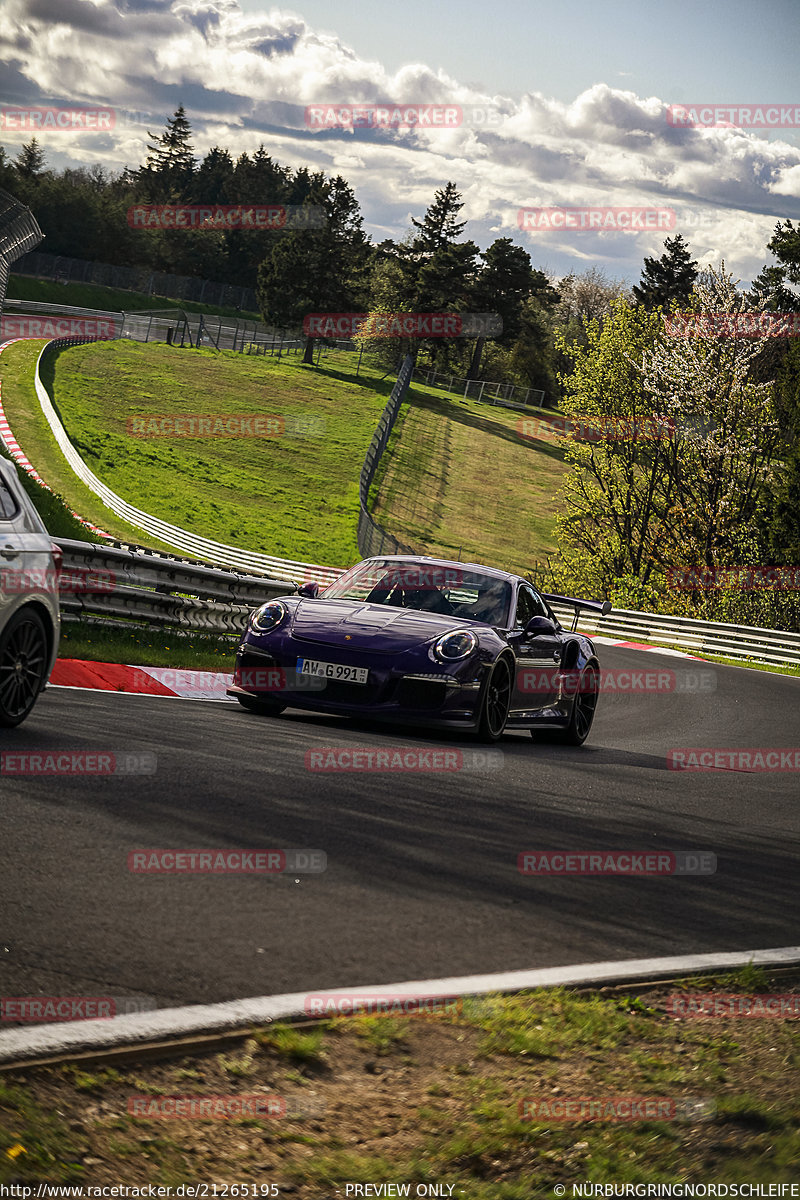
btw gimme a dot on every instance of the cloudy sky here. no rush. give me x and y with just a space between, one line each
561 104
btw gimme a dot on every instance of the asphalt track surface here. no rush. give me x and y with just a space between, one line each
422 878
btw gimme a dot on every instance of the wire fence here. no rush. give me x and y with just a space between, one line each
58 269
509 395
372 537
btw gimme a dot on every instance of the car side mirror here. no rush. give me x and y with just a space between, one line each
539 626
309 590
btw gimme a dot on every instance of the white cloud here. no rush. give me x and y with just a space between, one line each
245 78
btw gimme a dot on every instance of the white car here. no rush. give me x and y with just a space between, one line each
29 615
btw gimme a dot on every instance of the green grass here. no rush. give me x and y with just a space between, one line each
293 496
459 481
91 295
296 1045
27 421
57 518
147 648
34 1141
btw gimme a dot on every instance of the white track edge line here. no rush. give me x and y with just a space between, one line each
30 1042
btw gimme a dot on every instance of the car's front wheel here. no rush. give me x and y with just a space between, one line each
496 702
23 666
264 708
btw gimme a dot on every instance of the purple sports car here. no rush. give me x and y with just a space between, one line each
428 642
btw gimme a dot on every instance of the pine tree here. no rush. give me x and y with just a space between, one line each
785 245
440 225
669 278
170 165
30 161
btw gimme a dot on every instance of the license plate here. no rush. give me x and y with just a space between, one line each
327 670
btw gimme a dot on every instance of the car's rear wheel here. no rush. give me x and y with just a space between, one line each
496 702
264 708
23 666
581 717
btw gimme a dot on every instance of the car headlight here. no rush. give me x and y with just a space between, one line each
268 617
456 644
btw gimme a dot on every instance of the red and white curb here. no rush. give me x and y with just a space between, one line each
142 681
28 1043
14 449
624 645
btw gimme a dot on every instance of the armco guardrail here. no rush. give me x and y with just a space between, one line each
705 637
372 538
19 233
108 584
171 535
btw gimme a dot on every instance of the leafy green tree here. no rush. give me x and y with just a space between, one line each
686 443
669 280
782 512
717 464
609 524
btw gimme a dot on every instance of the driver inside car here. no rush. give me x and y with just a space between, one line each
489 605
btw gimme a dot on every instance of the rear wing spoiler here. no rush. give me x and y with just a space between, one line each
603 607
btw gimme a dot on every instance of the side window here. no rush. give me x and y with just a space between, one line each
8 505
525 608
529 604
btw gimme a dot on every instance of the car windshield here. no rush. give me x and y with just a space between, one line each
427 587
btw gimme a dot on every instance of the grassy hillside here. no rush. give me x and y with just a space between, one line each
57 518
295 496
459 480
31 430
